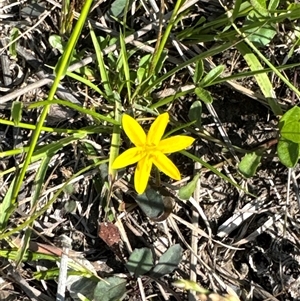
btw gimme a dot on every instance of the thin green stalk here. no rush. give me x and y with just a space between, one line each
165 36
87 130
60 72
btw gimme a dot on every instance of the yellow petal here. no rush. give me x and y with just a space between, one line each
129 157
163 163
157 129
174 144
133 130
142 174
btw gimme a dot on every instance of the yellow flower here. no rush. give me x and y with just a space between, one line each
150 149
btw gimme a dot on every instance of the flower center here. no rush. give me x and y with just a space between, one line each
149 148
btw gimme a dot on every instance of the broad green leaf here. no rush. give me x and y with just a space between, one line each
259 35
141 72
291 131
117 8
260 6
199 70
292 115
212 75
56 42
273 4
295 9
195 112
168 262
249 164
288 152
289 125
140 261
186 191
204 95
151 203
112 289
13 47
145 61
16 112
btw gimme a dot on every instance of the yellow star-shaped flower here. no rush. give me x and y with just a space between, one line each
150 149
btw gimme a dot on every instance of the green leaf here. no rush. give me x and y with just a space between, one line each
151 203
262 79
141 72
213 169
126 70
288 152
16 112
260 6
140 261
199 70
101 65
292 115
112 289
289 125
236 10
117 8
259 35
13 47
291 131
168 262
204 95
273 4
56 42
249 164
186 191
212 75
195 112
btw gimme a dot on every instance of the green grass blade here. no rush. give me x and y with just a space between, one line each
94 129
6 207
214 170
51 201
115 141
101 65
196 58
61 68
16 112
158 54
125 65
262 79
73 106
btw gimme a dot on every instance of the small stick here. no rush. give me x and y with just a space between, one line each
66 244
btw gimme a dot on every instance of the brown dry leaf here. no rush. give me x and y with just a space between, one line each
109 233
